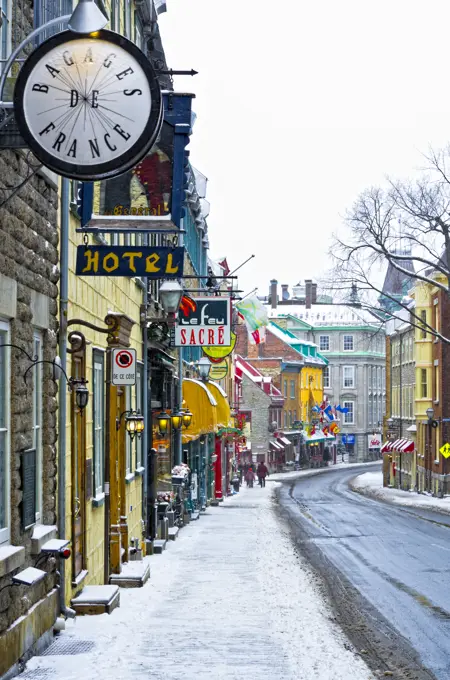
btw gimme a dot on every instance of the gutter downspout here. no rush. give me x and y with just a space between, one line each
62 389
145 406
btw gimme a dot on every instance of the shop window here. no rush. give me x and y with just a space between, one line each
4 433
139 401
349 417
348 343
98 405
37 420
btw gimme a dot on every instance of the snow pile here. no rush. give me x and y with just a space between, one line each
230 599
371 484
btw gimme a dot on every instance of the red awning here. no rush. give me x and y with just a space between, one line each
400 445
403 445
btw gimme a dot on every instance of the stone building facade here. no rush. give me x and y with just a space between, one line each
28 319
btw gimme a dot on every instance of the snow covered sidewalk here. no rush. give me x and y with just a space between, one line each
230 599
371 484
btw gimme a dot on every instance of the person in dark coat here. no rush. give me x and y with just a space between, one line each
262 473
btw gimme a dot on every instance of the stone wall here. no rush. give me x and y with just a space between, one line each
28 302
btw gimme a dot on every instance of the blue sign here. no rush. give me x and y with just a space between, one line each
348 438
151 263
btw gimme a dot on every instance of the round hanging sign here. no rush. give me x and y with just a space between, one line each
217 353
218 371
89 107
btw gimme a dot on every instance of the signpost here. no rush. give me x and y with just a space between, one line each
124 367
153 263
204 323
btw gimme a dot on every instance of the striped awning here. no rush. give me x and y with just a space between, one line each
401 445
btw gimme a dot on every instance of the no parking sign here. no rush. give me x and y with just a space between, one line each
124 367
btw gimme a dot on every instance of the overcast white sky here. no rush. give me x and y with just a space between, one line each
301 105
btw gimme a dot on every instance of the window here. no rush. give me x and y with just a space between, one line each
349 376
98 404
115 16
139 401
379 378
5 30
285 388
292 389
285 418
138 32
37 420
423 383
326 376
295 416
370 410
290 418
423 317
348 343
349 417
127 18
4 433
128 461
324 343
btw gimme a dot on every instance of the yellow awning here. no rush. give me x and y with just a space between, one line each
203 406
223 407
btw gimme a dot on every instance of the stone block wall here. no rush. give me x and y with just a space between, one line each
28 301
257 402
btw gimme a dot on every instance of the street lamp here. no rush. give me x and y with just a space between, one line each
430 414
204 368
134 423
78 386
170 294
163 422
87 18
187 418
177 420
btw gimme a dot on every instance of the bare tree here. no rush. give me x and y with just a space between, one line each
405 225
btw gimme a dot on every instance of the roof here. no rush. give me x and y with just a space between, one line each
265 383
326 315
296 343
398 283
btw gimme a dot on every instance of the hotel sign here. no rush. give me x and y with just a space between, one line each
152 263
206 322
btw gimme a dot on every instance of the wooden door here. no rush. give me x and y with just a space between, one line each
78 446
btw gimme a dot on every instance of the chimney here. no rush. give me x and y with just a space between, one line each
308 293
273 293
284 291
314 293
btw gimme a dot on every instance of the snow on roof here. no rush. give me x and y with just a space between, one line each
325 315
287 337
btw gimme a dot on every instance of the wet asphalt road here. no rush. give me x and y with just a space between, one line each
398 559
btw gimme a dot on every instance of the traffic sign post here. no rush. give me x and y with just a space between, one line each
124 367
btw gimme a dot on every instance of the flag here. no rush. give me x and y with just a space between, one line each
255 317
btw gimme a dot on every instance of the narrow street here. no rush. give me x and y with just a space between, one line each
386 568
230 598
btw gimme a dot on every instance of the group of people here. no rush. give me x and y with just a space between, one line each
261 472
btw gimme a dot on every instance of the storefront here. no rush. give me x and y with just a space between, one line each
224 442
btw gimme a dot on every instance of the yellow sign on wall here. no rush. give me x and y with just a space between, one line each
445 450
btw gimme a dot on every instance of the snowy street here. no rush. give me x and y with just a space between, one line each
230 598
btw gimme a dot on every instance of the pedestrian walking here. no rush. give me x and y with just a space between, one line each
262 473
250 478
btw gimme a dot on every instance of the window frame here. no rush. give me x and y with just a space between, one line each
327 348
139 401
352 385
347 415
37 410
348 349
98 360
423 319
423 383
5 531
